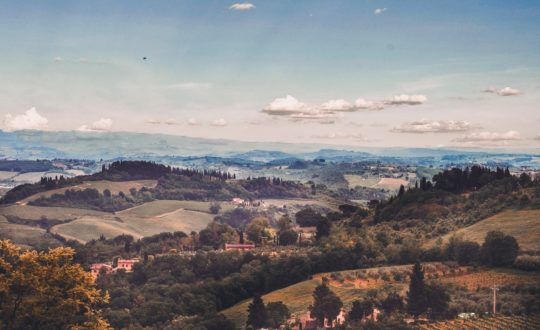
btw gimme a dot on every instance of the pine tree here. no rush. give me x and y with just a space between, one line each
258 316
416 297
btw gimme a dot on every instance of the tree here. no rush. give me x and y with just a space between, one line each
393 302
467 252
288 237
437 300
257 313
284 223
215 208
308 217
323 228
401 191
416 297
317 311
360 309
325 304
499 250
257 229
278 314
46 290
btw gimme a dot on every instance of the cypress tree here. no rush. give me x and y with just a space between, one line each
416 297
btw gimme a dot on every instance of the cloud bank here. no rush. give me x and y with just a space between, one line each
328 111
506 91
435 126
101 125
31 119
490 137
219 122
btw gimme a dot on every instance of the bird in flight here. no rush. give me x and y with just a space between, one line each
145 58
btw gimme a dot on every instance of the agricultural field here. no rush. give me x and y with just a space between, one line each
113 186
160 207
524 225
391 183
497 322
375 182
25 236
353 284
5 175
492 277
137 222
29 212
355 180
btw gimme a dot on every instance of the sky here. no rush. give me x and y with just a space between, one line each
412 73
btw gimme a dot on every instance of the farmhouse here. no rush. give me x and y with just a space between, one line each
237 201
126 264
96 268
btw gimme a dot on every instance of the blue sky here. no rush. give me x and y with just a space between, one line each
421 68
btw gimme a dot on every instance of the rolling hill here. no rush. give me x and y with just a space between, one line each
524 225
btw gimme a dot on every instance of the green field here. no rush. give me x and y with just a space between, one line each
355 180
524 225
25 236
138 222
161 207
29 212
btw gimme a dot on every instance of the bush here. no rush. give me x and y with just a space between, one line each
528 263
499 250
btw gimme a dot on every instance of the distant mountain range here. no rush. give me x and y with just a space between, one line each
113 145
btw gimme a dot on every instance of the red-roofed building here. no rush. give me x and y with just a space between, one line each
239 247
96 268
126 264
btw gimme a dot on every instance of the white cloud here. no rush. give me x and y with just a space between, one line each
285 106
340 136
436 126
490 137
379 11
219 122
325 117
506 91
190 86
193 122
242 6
406 99
153 121
101 125
31 119
362 104
337 105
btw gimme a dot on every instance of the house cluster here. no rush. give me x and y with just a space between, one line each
306 322
237 201
125 264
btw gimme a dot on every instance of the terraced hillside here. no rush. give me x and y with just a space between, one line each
351 285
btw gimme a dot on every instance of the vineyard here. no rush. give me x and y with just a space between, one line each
531 322
486 279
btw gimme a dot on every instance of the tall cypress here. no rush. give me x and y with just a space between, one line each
416 297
